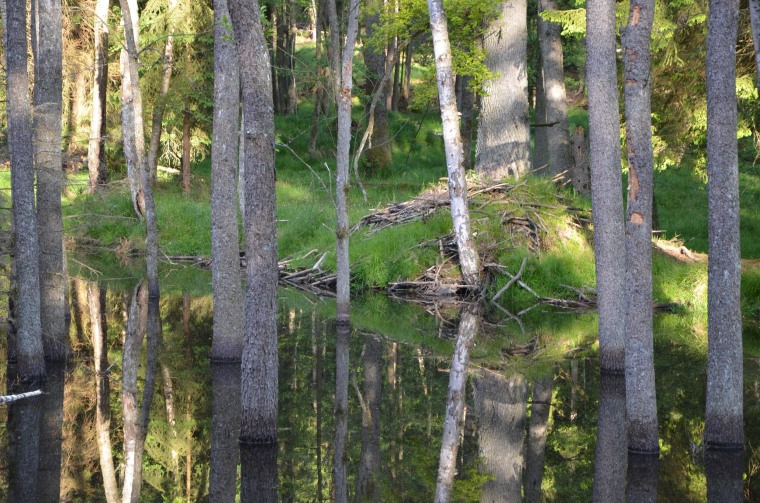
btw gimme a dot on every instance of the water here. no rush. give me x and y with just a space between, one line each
529 433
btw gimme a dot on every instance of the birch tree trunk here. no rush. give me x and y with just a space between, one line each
503 144
724 425
469 262
29 349
259 365
641 402
48 89
606 181
96 150
229 319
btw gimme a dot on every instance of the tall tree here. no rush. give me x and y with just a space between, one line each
641 402
378 157
724 426
96 150
606 183
503 145
29 350
229 319
560 157
754 16
259 366
469 262
48 89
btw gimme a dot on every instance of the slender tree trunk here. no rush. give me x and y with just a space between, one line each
96 148
754 16
340 456
158 109
469 262
466 106
724 427
29 349
455 404
503 146
606 181
259 364
227 344
407 82
186 152
171 418
540 137
611 441
538 428
639 350
292 101
368 486
51 434
378 157
581 175
317 377
48 88
319 88
225 431
561 159
335 47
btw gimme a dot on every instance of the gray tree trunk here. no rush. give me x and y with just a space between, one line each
540 160
229 319
24 417
225 431
48 89
754 16
378 157
319 87
29 349
606 181
538 429
259 365
611 441
581 174
469 325
340 456
503 144
469 262
724 427
466 107
725 475
641 479
639 351
96 150
51 434
370 472
560 158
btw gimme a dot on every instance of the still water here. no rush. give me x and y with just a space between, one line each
152 415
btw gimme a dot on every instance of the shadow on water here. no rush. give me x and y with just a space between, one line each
376 411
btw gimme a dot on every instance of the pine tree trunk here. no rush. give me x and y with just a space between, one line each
503 144
225 430
378 157
406 84
724 426
319 88
754 13
227 344
466 106
186 152
96 152
259 364
540 159
469 262
611 441
29 349
606 181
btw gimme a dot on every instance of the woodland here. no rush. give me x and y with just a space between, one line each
485 162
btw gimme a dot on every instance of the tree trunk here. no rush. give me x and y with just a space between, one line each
406 85
229 319
158 109
641 479
96 148
611 441
258 473
469 262
340 456
292 103
225 430
503 146
378 157
540 407
560 158
186 152
319 87
51 434
725 475
540 160
469 325
259 364
466 106
581 175
48 88
724 428
370 472
639 351
24 419
754 15
29 349
606 181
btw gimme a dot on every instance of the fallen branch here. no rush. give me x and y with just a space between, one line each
511 282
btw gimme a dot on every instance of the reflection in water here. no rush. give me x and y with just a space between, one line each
49 471
452 425
340 461
501 404
611 441
225 431
724 471
258 470
540 407
642 478
369 475
24 418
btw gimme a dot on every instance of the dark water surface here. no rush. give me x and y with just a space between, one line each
534 428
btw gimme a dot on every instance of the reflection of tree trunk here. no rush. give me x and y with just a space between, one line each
186 151
452 426
24 419
724 470
501 403
392 364
541 402
316 375
170 418
258 468
96 300
573 391
225 431
642 478
369 476
611 440
340 476
79 303
51 424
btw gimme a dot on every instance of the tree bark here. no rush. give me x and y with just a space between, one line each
606 181
96 148
259 364
24 419
186 151
225 431
466 106
258 473
469 262
51 434
611 458
229 319
641 479
503 145
560 158
724 426
754 16
540 160
538 428
581 174
639 351
378 158
725 475
48 89
29 349
319 88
